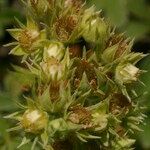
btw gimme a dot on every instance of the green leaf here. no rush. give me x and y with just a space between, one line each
34 144
6 102
14 32
24 142
138 8
115 10
137 29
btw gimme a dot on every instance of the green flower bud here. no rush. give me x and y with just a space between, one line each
53 69
127 73
34 120
108 55
95 30
40 6
55 50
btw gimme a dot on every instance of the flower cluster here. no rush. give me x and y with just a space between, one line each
83 95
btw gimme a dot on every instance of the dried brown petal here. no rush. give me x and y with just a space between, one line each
76 4
54 91
85 66
119 103
64 26
80 115
120 130
118 39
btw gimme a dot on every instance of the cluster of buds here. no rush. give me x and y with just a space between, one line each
82 71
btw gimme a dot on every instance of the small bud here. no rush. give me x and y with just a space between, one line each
95 30
40 6
55 50
53 69
127 73
34 120
108 55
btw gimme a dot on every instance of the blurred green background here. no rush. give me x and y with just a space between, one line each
129 16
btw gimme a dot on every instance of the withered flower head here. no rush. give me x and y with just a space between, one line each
65 26
27 38
83 66
80 115
122 44
119 104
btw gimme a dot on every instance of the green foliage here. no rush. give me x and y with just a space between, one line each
144 136
7 14
130 16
